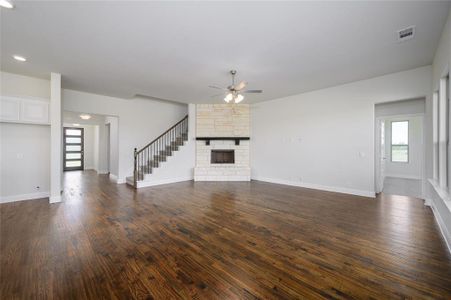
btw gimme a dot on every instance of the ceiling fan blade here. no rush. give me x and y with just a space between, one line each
217 87
253 91
240 85
217 95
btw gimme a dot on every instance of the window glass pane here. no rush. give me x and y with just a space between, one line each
73 163
73 132
400 133
399 153
73 148
73 140
73 155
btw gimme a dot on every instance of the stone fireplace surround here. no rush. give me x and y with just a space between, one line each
227 121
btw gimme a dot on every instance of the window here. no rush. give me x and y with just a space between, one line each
400 141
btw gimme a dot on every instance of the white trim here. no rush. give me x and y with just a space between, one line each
116 179
22 197
442 193
55 199
142 184
112 177
315 186
403 176
441 225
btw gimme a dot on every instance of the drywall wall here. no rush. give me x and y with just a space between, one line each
113 146
442 58
139 121
24 86
25 161
406 107
414 167
325 139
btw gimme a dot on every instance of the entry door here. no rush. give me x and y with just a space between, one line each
73 148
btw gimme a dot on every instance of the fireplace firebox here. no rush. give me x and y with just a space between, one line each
222 156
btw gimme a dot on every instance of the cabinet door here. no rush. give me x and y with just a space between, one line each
34 111
9 109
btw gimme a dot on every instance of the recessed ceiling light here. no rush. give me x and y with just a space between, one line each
85 117
76 124
18 57
6 4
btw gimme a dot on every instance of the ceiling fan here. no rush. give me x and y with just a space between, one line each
234 92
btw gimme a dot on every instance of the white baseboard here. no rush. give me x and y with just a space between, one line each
55 199
142 184
441 225
23 197
363 193
102 172
116 179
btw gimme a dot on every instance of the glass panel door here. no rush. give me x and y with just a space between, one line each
73 149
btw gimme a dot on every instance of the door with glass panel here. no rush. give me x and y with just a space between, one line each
73 148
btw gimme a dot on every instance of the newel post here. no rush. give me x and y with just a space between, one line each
135 169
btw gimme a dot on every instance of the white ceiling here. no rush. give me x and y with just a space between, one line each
174 50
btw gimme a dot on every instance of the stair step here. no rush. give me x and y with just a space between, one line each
159 158
165 152
146 169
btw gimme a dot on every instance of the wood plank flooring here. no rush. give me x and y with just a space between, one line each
219 241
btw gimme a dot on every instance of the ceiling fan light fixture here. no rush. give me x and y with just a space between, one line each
239 98
6 4
228 98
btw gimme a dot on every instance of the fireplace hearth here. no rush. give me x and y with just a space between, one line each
222 156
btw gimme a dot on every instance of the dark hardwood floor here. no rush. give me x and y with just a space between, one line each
219 241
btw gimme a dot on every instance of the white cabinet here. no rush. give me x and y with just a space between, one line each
24 110
9 109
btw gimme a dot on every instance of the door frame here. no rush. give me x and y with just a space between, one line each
82 142
379 182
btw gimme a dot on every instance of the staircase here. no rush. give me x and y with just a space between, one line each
150 157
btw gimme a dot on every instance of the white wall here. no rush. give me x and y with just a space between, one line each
24 86
140 121
113 146
413 168
325 139
25 149
25 161
407 107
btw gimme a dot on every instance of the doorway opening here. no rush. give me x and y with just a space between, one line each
399 148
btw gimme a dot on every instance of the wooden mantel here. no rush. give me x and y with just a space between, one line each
237 139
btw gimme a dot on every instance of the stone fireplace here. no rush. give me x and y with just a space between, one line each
222 142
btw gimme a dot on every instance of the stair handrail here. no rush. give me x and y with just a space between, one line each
175 125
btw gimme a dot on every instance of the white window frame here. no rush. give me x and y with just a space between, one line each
391 142
442 133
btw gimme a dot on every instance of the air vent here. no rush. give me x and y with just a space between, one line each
406 33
